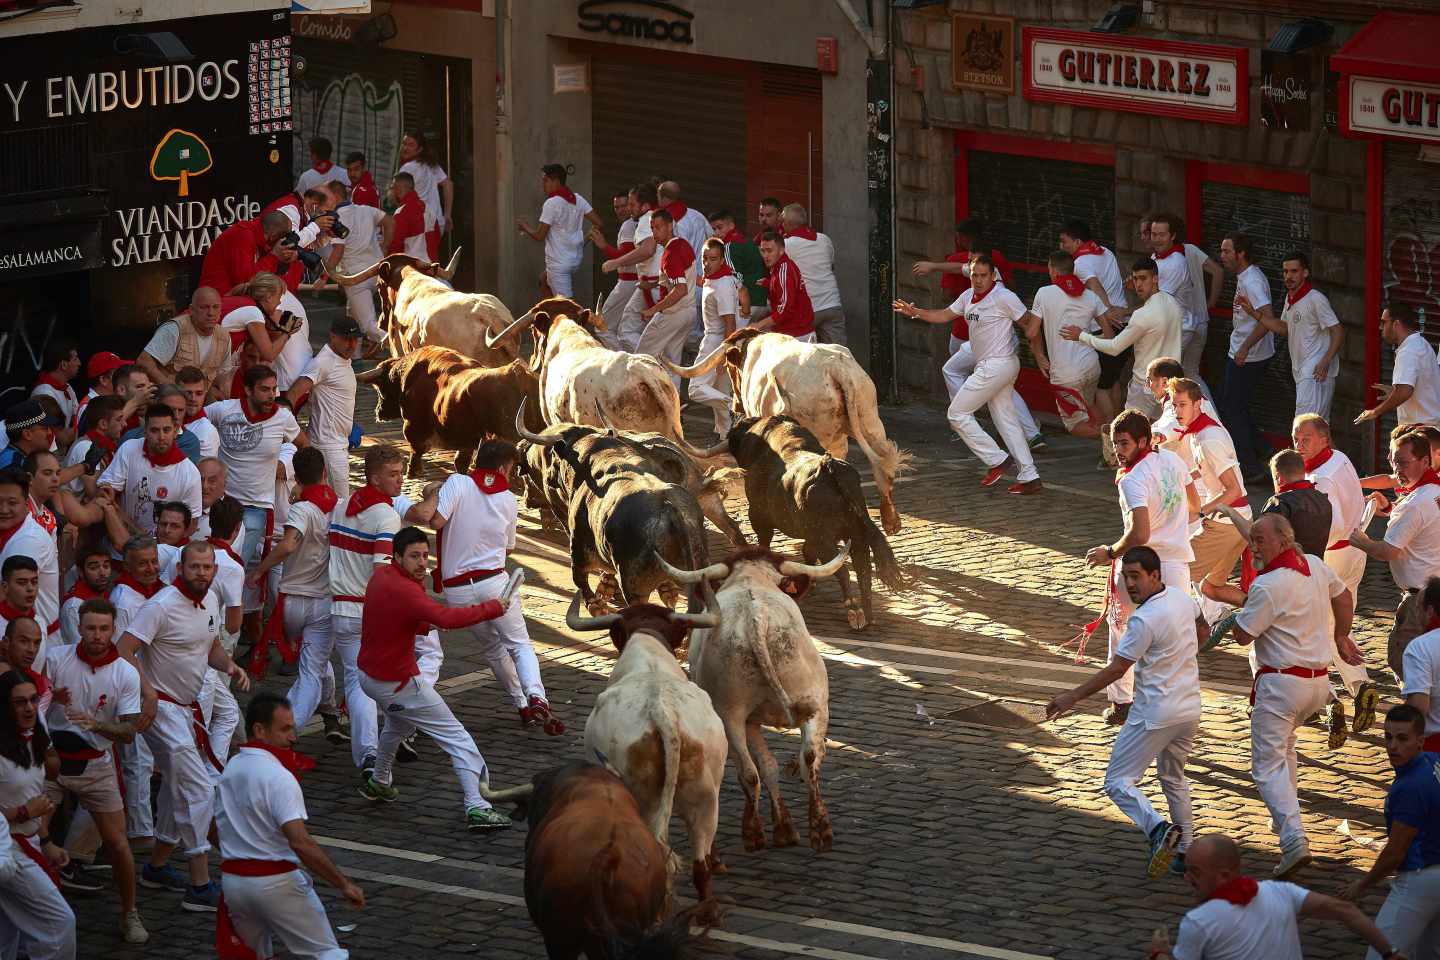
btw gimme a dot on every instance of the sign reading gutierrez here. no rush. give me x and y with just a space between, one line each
1392 108
1165 77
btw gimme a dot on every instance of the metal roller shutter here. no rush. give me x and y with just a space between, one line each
1410 255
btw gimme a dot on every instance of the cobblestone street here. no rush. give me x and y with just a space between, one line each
962 827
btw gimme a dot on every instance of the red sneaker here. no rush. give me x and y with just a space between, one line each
542 716
996 474
1026 488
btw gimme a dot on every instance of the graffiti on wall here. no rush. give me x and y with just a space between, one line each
353 114
1412 256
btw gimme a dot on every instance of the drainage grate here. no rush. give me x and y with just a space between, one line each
1001 714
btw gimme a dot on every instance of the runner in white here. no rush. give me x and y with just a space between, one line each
92 563
22 535
1154 331
1161 637
1217 479
561 229
101 425
1251 347
192 381
1314 336
101 708
814 254
1172 261
137 582
432 184
991 312
370 231
260 818
1166 429
217 701
329 380
1291 613
645 259
1097 267
1073 368
60 365
179 632
627 209
1415 391
724 308
1421 688
152 471
668 321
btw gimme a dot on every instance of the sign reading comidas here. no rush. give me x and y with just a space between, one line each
1392 108
1195 81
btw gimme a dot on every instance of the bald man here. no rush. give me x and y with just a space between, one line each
1238 918
193 339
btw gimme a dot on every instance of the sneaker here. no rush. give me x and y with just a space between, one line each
162 878
202 899
528 718
333 731
1292 860
377 792
1163 841
74 879
131 929
367 766
486 818
1177 865
541 714
1037 442
1335 721
1116 714
996 473
1367 698
406 752
1028 488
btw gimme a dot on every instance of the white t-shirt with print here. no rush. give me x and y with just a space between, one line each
1309 321
106 693
143 484
991 319
1158 483
1252 283
251 450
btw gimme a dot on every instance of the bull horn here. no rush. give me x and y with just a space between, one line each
702 453
449 271
346 281
716 571
792 569
521 792
574 621
373 375
710 615
526 434
716 357
599 301
493 338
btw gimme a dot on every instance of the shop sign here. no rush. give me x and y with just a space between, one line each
1392 108
1166 78
657 20
982 53
1287 88
40 251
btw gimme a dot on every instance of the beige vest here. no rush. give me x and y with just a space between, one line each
187 350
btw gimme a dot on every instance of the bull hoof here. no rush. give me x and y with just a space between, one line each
857 619
715 864
792 769
785 834
597 606
754 842
708 913
890 521
822 838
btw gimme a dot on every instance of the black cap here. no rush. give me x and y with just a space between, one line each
29 413
346 327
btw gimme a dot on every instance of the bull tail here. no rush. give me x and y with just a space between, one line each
672 940
772 677
886 566
885 457
664 725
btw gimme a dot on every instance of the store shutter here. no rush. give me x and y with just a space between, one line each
1278 223
786 159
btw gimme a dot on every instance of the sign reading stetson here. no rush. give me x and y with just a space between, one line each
1391 108
1168 78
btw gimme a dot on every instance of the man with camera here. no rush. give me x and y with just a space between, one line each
361 237
235 255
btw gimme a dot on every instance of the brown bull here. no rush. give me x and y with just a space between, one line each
450 402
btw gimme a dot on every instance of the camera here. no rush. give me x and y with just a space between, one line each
291 239
337 229
310 258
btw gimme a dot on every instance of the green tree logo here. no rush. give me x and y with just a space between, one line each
180 155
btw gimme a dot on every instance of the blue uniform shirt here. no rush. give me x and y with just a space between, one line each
1414 800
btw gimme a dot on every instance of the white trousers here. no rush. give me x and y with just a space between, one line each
713 389
284 908
337 467
415 706
186 804
429 656
1173 573
33 915
222 717
137 764
504 641
1314 397
664 336
959 367
1410 915
1192 347
360 303
613 311
1349 565
1136 747
631 323
991 385
322 634
561 277
1282 705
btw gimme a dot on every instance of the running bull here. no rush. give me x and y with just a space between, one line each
449 401
822 387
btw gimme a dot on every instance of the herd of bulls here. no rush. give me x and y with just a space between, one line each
604 457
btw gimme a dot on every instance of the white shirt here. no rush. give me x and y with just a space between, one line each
816 260
1415 529
1415 366
1289 616
76 454
1106 268
127 604
991 319
251 450
306 572
206 434
686 302
68 403
479 527
257 797
107 694
31 540
1160 639
1263 928
1154 330
1337 479
356 544
1174 273
313 179
1157 483
177 636
627 232
49 631
1071 362
1199 304
229 583
1252 283
1166 429
565 241
361 248
719 297
643 232
143 484
296 353
1212 451
332 400
19 785
1422 674
1307 320
695 228
427 185
167 337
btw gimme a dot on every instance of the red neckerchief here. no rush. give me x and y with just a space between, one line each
197 415
1293 298
250 414
676 209
1429 476
1198 424
109 656
219 544
564 193
1088 249
677 258
237 382
1175 249
133 422
1432 624
102 441
804 233
7 612
44 516
1124 470
293 761
127 578
779 232
179 584
733 236
1071 284
48 379
324 166
1239 891
974 300
490 481
42 684
1319 460
1296 485
321 496
365 498
724 271
1289 560
167 459
82 590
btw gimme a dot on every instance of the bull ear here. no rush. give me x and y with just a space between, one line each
795 587
735 356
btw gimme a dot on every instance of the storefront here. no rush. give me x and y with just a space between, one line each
126 151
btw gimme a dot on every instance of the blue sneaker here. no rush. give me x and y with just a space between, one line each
355 434
162 878
1163 841
1177 865
202 899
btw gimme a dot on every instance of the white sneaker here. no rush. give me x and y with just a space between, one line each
131 929
1292 860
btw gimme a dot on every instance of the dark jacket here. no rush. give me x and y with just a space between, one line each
1308 511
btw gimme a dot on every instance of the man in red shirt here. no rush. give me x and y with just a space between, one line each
235 255
396 611
790 309
362 185
409 235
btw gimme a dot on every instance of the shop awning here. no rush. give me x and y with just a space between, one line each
1393 46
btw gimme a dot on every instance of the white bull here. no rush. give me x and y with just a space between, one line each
657 730
822 387
419 308
760 666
